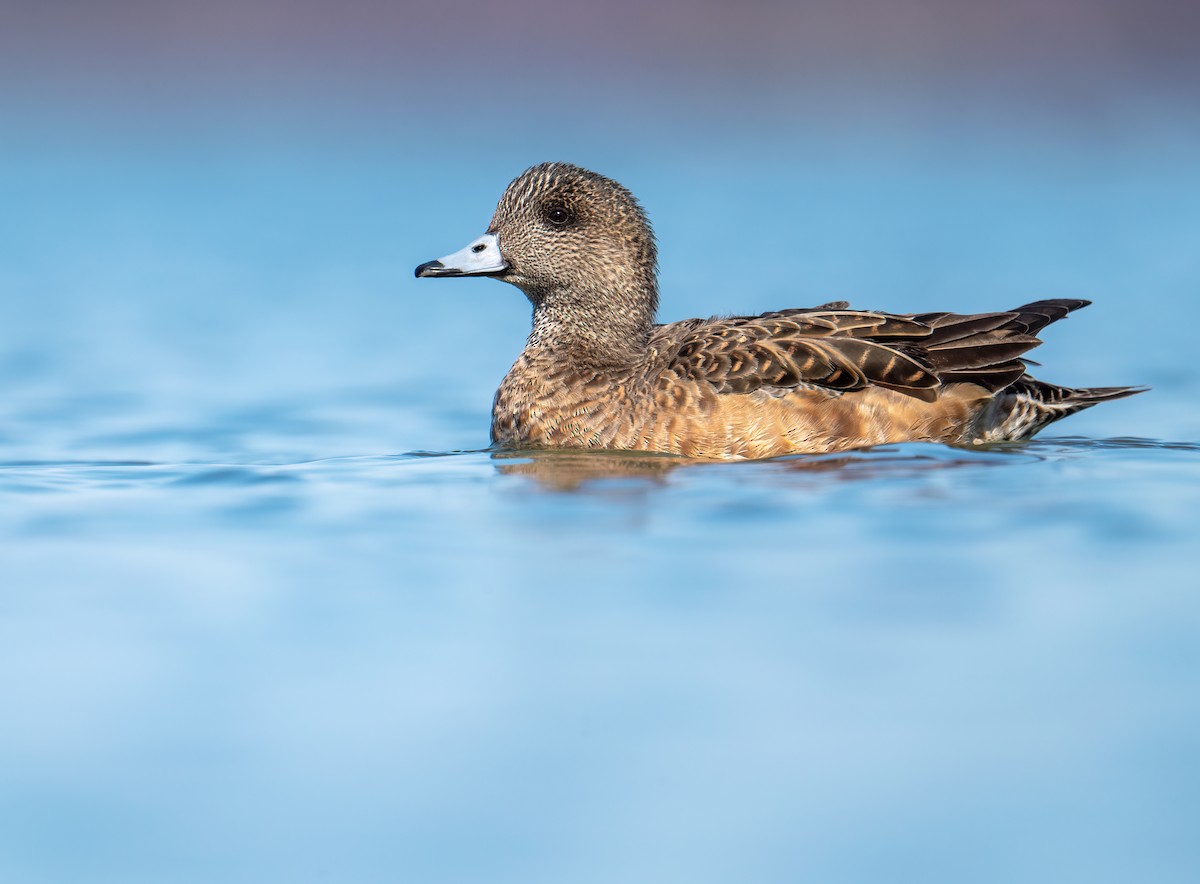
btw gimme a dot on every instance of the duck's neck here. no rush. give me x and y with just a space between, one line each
594 327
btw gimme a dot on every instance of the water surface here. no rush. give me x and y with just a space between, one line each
272 611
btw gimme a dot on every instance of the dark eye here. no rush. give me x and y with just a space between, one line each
558 215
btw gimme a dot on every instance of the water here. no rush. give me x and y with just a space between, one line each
271 611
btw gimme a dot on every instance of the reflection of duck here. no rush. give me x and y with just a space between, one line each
569 469
598 373
573 469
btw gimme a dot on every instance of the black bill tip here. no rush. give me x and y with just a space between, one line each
435 268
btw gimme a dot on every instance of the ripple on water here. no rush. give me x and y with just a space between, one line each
572 470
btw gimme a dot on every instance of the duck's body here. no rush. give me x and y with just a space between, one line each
820 380
598 373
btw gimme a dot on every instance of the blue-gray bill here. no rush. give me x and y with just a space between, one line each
480 258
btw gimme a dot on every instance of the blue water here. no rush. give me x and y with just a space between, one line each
272 612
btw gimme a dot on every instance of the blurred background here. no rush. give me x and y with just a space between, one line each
269 611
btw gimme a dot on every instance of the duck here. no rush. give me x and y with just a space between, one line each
599 372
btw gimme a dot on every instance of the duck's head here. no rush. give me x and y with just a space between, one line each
576 243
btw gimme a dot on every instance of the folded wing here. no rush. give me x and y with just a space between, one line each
839 349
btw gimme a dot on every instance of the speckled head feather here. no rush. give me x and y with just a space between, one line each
597 372
581 248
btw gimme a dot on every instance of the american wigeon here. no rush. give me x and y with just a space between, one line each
597 372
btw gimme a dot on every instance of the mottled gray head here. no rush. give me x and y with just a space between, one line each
577 243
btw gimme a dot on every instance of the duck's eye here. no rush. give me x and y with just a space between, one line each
558 215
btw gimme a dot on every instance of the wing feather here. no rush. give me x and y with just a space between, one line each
841 350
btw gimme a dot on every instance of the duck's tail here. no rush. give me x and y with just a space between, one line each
1028 405
988 350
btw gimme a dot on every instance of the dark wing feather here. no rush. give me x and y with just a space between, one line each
843 350
945 328
743 354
